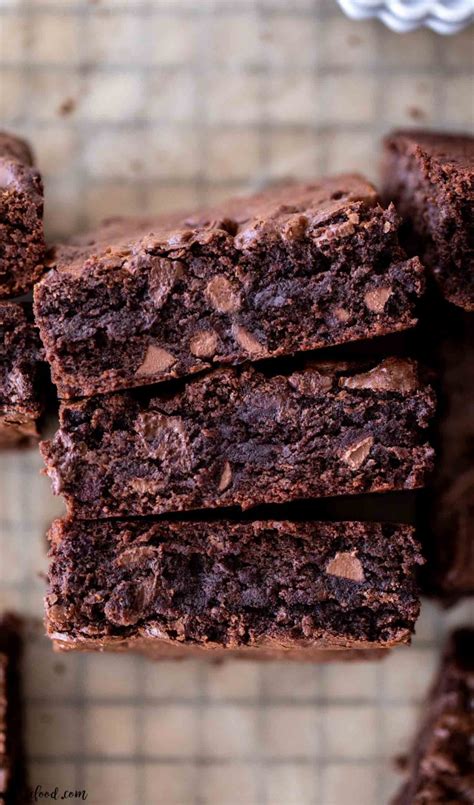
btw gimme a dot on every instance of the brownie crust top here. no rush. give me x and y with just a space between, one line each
242 219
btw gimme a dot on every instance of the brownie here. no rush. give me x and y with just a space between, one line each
11 762
291 269
265 584
441 770
22 245
430 177
21 369
241 438
449 572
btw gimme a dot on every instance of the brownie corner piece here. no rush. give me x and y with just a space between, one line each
232 585
440 769
295 268
22 244
21 376
430 178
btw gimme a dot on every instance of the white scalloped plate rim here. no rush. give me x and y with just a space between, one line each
402 17
452 10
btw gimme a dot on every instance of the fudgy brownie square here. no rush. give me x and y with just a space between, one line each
242 438
281 585
441 767
22 245
291 269
21 357
430 177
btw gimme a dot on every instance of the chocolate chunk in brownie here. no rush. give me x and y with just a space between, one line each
12 773
441 770
430 177
240 438
20 376
226 584
449 572
292 269
22 246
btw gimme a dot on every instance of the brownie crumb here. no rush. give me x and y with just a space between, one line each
21 356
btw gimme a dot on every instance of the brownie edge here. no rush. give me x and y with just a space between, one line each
441 769
430 178
242 438
229 585
21 376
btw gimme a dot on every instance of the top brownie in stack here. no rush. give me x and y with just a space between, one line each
295 268
430 177
441 768
22 246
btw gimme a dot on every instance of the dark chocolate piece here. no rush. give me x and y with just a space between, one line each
20 376
22 245
240 438
430 177
266 584
441 770
292 269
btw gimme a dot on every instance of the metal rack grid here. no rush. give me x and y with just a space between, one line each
143 106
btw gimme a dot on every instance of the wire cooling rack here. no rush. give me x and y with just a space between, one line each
145 106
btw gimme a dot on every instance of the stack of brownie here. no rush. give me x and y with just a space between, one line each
22 258
178 346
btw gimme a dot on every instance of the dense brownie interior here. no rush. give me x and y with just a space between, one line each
22 246
296 268
20 375
233 584
441 768
241 438
430 177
